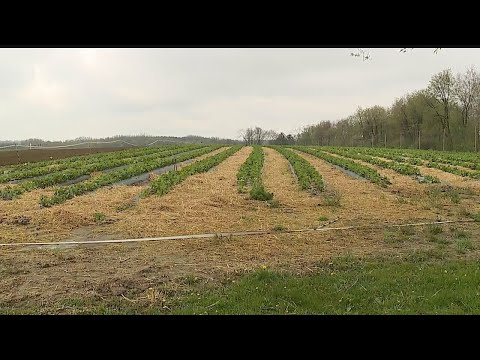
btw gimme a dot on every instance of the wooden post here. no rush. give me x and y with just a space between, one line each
385 139
419 139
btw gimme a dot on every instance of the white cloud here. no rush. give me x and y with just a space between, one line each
43 91
64 93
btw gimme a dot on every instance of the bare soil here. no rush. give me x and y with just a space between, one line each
13 157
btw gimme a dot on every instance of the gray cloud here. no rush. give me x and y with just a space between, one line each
66 93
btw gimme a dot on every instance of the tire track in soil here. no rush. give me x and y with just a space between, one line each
363 202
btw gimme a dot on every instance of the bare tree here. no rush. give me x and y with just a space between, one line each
441 93
467 89
271 135
248 136
476 115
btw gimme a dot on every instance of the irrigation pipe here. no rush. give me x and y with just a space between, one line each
242 233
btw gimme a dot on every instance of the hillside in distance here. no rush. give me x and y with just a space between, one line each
118 141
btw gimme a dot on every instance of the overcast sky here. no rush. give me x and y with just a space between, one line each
68 93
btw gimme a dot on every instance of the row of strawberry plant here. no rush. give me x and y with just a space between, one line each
102 158
454 170
387 154
249 176
308 177
167 181
68 192
32 165
91 157
10 192
401 168
434 160
467 160
362 170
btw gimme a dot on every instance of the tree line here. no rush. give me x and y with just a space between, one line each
445 115
258 136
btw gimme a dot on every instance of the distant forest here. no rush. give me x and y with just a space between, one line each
139 140
445 115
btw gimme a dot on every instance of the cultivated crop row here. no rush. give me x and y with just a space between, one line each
118 158
11 192
93 157
416 157
361 170
308 177
249 176
434 159
167 181
68 192
399 167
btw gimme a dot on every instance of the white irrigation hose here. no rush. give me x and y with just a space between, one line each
243 233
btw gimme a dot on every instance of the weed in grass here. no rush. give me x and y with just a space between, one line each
464 245
125 206
273 203
435 229
99 217
279 228
436 239
461 234
475 216
453 195
463 212
402 200
191 280
434 199
407 230
322 218
332 198
390 237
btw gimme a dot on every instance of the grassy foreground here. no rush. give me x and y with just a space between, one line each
415 285
451 287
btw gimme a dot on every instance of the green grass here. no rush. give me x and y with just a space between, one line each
356 288
421 283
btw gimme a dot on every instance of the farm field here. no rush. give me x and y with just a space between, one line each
327 219
9 157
